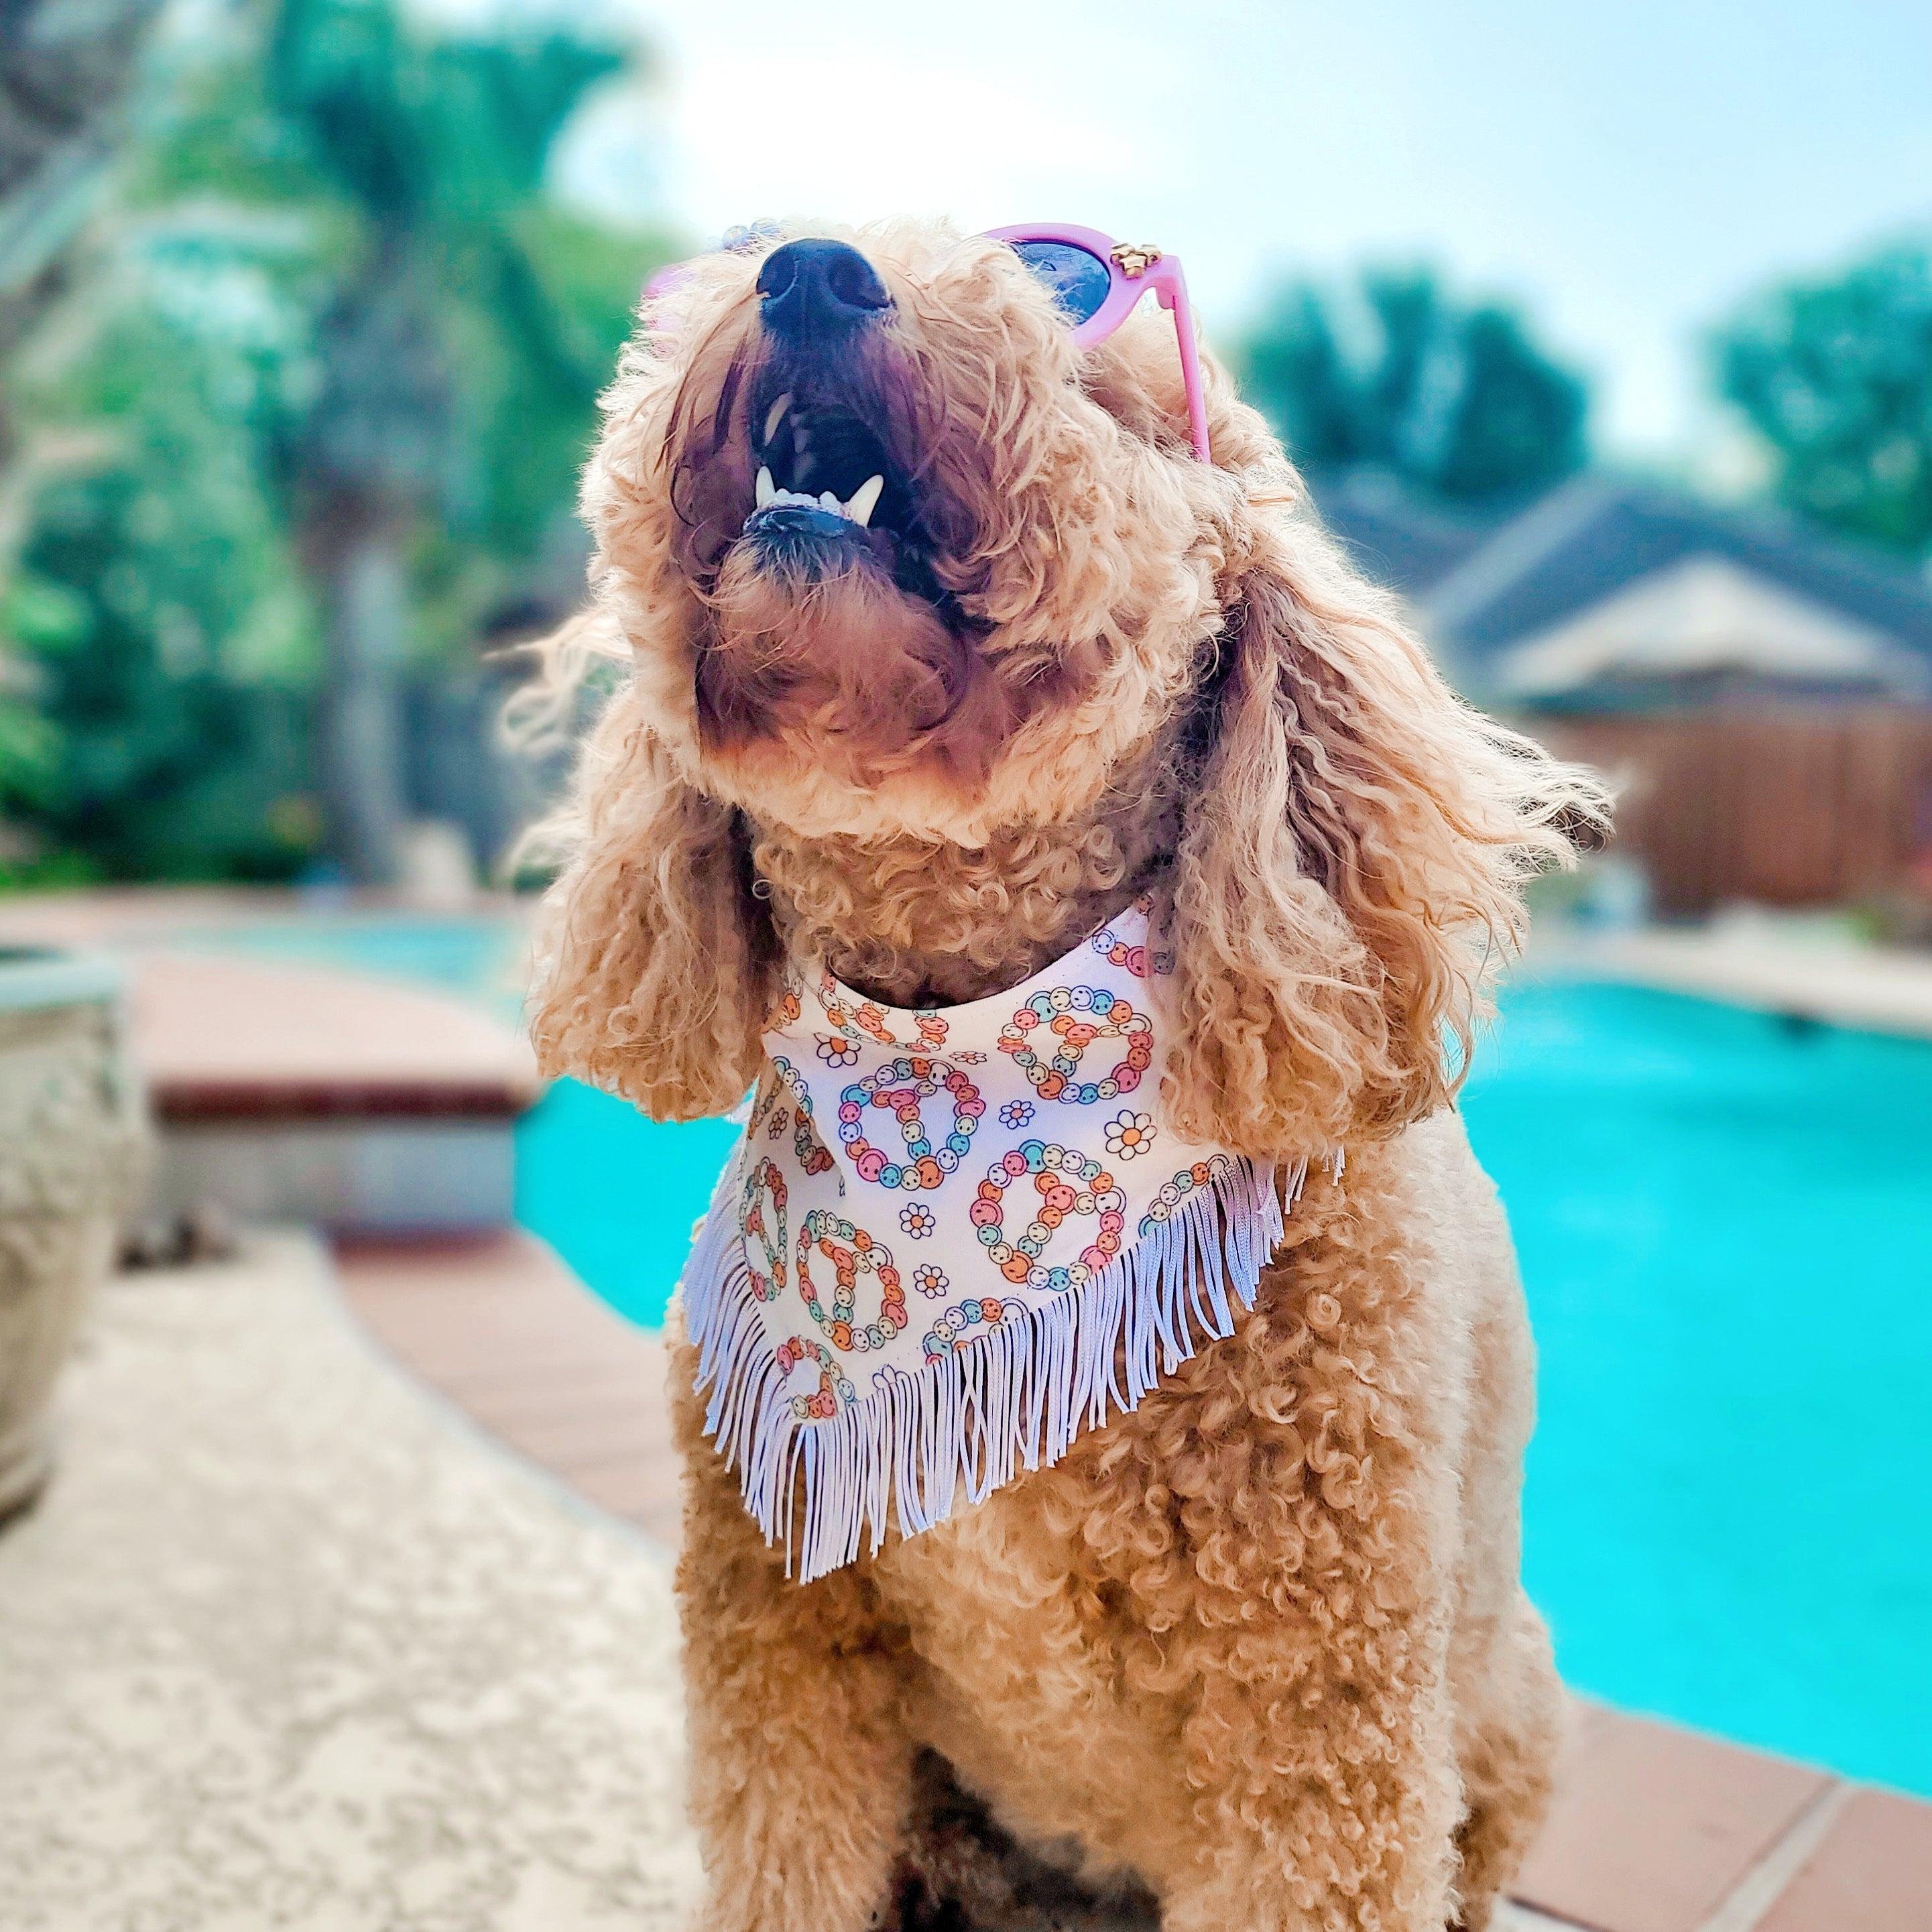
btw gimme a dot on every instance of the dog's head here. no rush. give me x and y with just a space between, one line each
889 556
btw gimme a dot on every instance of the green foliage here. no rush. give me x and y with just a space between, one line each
334 267
45 619
159 616
1836 377
1458 401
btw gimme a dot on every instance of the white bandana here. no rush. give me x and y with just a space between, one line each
947 1238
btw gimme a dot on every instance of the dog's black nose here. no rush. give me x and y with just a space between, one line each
816 287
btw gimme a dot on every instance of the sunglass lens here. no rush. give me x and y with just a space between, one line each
1076 279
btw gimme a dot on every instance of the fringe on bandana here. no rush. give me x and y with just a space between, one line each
962 1425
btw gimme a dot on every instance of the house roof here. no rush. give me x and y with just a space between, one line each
1591 538
1392 538
1704 617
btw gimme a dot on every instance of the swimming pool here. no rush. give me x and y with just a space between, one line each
1725 1224
1726 1228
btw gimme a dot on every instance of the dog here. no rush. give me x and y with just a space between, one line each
940 646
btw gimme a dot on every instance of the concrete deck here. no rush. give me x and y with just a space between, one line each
286 1644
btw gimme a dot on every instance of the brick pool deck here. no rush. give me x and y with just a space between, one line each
1655 1829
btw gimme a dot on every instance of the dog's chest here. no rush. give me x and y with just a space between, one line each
1026 1688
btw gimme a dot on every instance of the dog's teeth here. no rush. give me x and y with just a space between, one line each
865 500
766 488
827 501
776 416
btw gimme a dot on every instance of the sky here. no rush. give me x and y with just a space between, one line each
1629 174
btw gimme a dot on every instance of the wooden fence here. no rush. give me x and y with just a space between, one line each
1813 806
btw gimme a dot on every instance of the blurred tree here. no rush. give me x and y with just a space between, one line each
66 71
1458 402
65 79
445 365
1836 377
345 350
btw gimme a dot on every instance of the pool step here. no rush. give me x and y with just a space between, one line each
288 1093
1654 1828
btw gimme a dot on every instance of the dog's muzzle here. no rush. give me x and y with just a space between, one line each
828 492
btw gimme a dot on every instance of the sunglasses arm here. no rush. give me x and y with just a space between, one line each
1172 292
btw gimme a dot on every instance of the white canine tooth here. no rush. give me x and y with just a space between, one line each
776 416
865 500
827 501
766 489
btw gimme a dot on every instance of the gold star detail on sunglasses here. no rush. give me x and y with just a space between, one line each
1134 258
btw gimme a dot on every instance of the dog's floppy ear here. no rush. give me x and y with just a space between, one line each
1350 867
656 965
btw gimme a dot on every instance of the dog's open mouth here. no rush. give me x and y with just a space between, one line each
827 489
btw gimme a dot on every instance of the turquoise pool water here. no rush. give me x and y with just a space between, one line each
615 1194
1725 1229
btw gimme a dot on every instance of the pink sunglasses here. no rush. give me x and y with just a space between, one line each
1097 282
